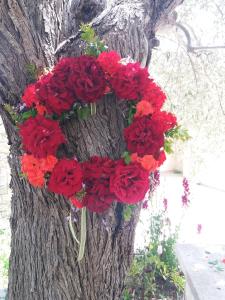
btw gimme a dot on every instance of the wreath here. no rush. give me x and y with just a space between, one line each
76 84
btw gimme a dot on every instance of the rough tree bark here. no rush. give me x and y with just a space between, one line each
43 257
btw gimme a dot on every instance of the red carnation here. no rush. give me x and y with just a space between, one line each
41 137
87 79
29 95
66 178
129 82
130 183
163 121
160 157
97 172
142 137
154 95
109 61
54 93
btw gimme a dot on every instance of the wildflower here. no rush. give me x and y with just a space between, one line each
165 204
199 228
185 196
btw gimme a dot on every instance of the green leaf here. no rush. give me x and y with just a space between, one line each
29 113
126 157
178 133
13 113
83 112
32 72
131 112
168 146
94 46
127 212
88 33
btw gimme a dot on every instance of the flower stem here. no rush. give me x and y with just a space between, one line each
72 229
93 108
83 233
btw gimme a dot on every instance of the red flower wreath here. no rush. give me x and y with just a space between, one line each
98 182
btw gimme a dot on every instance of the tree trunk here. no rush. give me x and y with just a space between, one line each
43 261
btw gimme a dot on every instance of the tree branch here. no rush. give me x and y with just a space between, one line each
191 48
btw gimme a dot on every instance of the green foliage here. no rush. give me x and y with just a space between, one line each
94 46
126 157
27 114
16 118
83 112
155 271
131 112
78 111
168 146
4 262
127 296
19 118
32 72
2 231
4 254
127 212
176 133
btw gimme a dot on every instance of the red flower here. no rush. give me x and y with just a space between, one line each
154 95
148 162
48 163
109 61
163 121
54 93
29 96
97 172
76 202
130 183
35 168
143 138
30 166
143 108
87 79
66 178
129 82
160 157
41 136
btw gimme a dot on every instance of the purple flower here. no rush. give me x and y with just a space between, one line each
185 196
145 204
199 228
165 204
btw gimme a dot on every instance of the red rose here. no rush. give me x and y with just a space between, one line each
66 178
97 172
87 79
129 81
163 121
29 96
54 93
109 61
41 137
130 183
142 137
154 95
